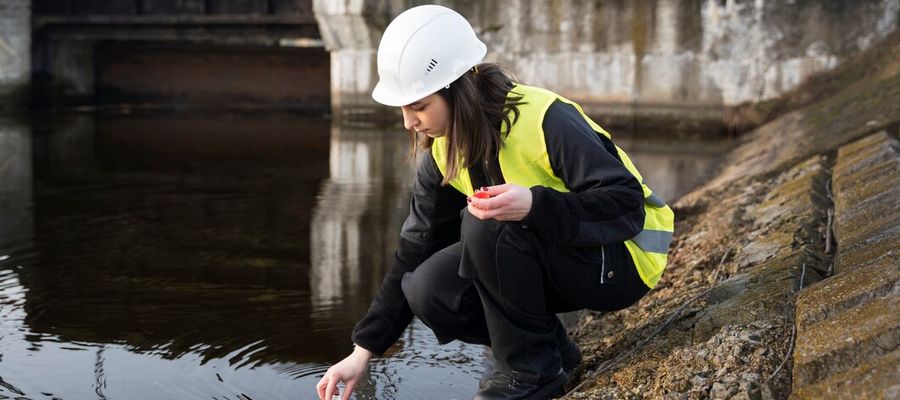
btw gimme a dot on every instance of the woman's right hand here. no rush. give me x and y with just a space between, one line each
349 371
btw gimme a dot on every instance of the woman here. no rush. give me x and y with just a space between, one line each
522 208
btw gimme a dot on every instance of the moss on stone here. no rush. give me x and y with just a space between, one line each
846 290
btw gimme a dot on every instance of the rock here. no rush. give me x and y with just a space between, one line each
746 395
877 379
721 391
766 392
699 381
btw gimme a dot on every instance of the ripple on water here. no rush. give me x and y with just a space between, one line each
12 294
297 371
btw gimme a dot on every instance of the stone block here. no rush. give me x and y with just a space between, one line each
885 245
762 293
788 218
858 224
878 379
872 149
796 194
866 185
866 192
848 327
843 292
847 340
853 190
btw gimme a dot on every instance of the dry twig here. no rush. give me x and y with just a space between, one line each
790 349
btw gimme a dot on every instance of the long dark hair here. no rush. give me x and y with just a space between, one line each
480 106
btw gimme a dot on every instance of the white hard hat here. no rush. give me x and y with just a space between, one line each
424 49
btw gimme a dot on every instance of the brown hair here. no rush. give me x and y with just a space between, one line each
479 114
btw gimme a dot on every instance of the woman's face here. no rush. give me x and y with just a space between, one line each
430 116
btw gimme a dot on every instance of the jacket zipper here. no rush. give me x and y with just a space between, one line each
602 265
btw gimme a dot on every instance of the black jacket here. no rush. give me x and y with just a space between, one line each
604 205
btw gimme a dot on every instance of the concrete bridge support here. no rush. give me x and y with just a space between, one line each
666 57
350 31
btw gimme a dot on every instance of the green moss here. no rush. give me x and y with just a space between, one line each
868 381
872 252
845 291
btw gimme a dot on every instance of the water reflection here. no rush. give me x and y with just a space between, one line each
672 166
358 213
198 256
169 257
16 224
166 240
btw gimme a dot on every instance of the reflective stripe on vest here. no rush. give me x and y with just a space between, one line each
654 200
524 162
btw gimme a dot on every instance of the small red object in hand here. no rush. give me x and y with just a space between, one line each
482 195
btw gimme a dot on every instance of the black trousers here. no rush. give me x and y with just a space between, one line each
502 286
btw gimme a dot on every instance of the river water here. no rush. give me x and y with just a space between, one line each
226 256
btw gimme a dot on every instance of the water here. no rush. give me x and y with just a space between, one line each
214 256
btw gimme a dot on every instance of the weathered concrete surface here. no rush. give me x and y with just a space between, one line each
848 327
875 380
667 56
351 33
865 103
867 209
721 322
15 52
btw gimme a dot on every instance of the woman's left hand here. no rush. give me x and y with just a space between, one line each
507 203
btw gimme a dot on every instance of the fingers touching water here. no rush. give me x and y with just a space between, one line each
347 371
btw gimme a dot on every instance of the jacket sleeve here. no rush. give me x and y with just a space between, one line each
433 223
605 202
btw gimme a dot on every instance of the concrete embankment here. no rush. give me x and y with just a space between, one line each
784 279
848 326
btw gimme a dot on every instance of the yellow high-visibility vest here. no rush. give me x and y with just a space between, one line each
524 161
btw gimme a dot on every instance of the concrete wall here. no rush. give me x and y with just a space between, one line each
15 54
351 30
663 54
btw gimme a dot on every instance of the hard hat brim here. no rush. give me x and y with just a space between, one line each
384 95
